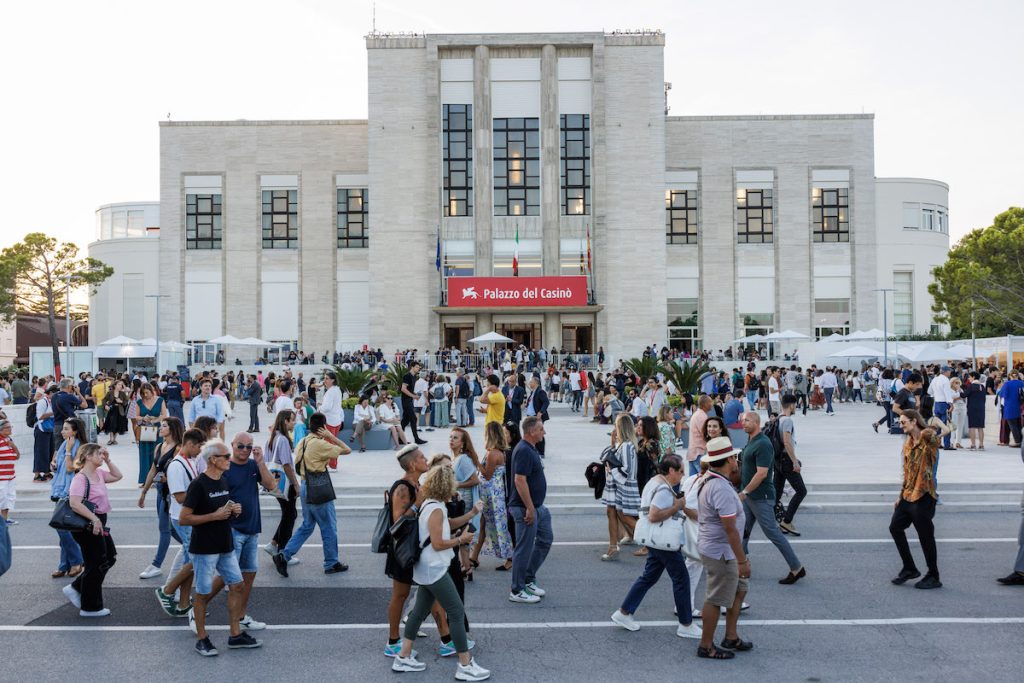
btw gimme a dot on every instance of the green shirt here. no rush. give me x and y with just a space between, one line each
758 452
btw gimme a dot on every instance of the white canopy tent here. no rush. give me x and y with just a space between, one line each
785 335
491 338
749 340
834 337
866 335
857 352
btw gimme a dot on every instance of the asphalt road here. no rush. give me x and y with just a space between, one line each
844 622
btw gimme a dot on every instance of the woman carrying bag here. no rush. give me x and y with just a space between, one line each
661 506
150 410
621 493
88 498
71 560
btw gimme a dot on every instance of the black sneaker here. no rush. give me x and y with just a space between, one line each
206 648
420 442
243 640
906 575
1014 579
337 568
929 581
281 564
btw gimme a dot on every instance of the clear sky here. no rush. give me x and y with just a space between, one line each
87 82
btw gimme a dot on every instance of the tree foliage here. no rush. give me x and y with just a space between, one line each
350 381
685 375
984 273
643 367
36 275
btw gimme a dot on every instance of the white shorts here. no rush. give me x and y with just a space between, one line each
7 495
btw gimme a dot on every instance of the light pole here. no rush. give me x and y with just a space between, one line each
885 321
974 349
156 333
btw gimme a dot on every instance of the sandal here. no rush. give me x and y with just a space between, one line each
612 554
714 653
738 645
474 563
503 568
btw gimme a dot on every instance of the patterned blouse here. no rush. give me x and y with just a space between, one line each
918 464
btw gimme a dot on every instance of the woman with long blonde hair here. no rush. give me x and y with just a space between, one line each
494 538
621 491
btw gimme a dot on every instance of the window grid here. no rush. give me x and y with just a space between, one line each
203 226
353 218
903 302
680 217
280 219
575 164
517 167
457 159
756 224
830 214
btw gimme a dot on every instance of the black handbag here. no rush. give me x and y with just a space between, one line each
66 519
610 456
319 487
379 540
405 545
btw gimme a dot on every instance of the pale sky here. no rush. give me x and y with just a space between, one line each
87 82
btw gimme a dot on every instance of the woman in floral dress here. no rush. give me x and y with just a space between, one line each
494 536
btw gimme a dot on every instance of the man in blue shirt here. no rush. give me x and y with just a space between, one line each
243 477
66 401
208 405
532 519
1010 393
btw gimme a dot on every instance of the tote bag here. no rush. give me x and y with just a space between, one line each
667 534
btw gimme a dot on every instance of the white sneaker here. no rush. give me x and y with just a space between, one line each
192 620
626 621
293 561
270 549
73 596
743 608
523 596
150 572
533 588
98 613
404 664
691 631
250 624
472 672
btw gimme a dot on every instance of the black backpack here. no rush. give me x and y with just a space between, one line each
30 415
774 434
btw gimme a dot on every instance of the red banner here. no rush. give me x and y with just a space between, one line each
566 290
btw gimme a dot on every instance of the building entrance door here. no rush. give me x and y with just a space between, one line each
526 334
578 338
457 336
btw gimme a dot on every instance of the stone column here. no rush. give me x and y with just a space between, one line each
550 169
483 162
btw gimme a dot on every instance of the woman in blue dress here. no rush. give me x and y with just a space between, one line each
151 411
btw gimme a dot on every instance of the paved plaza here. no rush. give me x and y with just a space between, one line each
844 622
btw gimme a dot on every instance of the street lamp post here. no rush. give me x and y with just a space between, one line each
885 321
156 332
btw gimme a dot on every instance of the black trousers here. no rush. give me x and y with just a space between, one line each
1014 426
254 417
799 490
409 417
100 555
801 403
920 514
289 514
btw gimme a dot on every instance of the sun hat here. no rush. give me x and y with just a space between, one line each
719 448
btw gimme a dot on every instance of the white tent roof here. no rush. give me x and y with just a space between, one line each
137 350
225 339
856 352
868 334
174 346
120 340
785 334
960 352
751 338
929 353
253 341
834 337
490 338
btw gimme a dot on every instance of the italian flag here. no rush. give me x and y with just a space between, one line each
515 255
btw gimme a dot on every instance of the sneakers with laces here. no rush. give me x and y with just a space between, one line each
392 650
270 549
410 663
281 564
73 596
471 672
250 624
293 561
626 621
523 596
691 631
150 572
534 589
243 640
167 602
448 649
206 648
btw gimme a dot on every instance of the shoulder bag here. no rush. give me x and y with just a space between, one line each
405 544
66 519
667 534
319 487
379 540
610 456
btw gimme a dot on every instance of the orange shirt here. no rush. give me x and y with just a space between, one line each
918 462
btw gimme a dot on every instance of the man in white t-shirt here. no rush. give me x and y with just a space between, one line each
577 390
774 394
180 473
422 401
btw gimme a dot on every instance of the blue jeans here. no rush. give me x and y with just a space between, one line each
164 523
70 552
657 562
762 511
694 466
322 515
941 411
533 541
461 412
828 399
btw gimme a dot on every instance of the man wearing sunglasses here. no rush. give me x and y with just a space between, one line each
243 477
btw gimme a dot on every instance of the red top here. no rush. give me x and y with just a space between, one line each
8 456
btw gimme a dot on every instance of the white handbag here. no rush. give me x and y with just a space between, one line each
667 534
148 433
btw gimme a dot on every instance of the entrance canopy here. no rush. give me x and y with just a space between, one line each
491 338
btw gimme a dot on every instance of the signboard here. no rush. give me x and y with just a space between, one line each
522 292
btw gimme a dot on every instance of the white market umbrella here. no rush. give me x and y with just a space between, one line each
748 340
491 338
867 335
960 352
834 337
174 346
856 352
226 339
253 341
785 334
120 340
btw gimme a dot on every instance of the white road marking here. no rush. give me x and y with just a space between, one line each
528 625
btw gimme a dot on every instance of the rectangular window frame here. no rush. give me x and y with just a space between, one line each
830 214
680 216
903 302
280 208
516 177
353 223
457 159
755 209
575 164
204 226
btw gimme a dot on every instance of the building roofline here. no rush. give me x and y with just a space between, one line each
281 122
926 181
773 117
148 202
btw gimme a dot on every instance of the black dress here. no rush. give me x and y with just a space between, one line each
116 421
975 393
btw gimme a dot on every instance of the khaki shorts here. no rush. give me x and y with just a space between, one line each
723 581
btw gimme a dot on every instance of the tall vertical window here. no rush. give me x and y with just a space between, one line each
903 302
517 167
353 218
755 216
683 329
280 219
831 214
457 159
680 216
203 228
575 164
831 316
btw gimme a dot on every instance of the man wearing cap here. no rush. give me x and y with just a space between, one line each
757 491
720 514
940 390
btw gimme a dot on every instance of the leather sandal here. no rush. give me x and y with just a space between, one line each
714 653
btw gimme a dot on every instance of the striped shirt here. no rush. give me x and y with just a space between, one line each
7 458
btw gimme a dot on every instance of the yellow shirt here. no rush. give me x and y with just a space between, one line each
99 392
313 453
495 408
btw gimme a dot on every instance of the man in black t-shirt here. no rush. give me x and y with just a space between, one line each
207 509
408 396
906 398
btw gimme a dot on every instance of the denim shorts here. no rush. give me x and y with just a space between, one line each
246 546
185 534
205 566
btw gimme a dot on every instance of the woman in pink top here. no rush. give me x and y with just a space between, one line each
90 484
